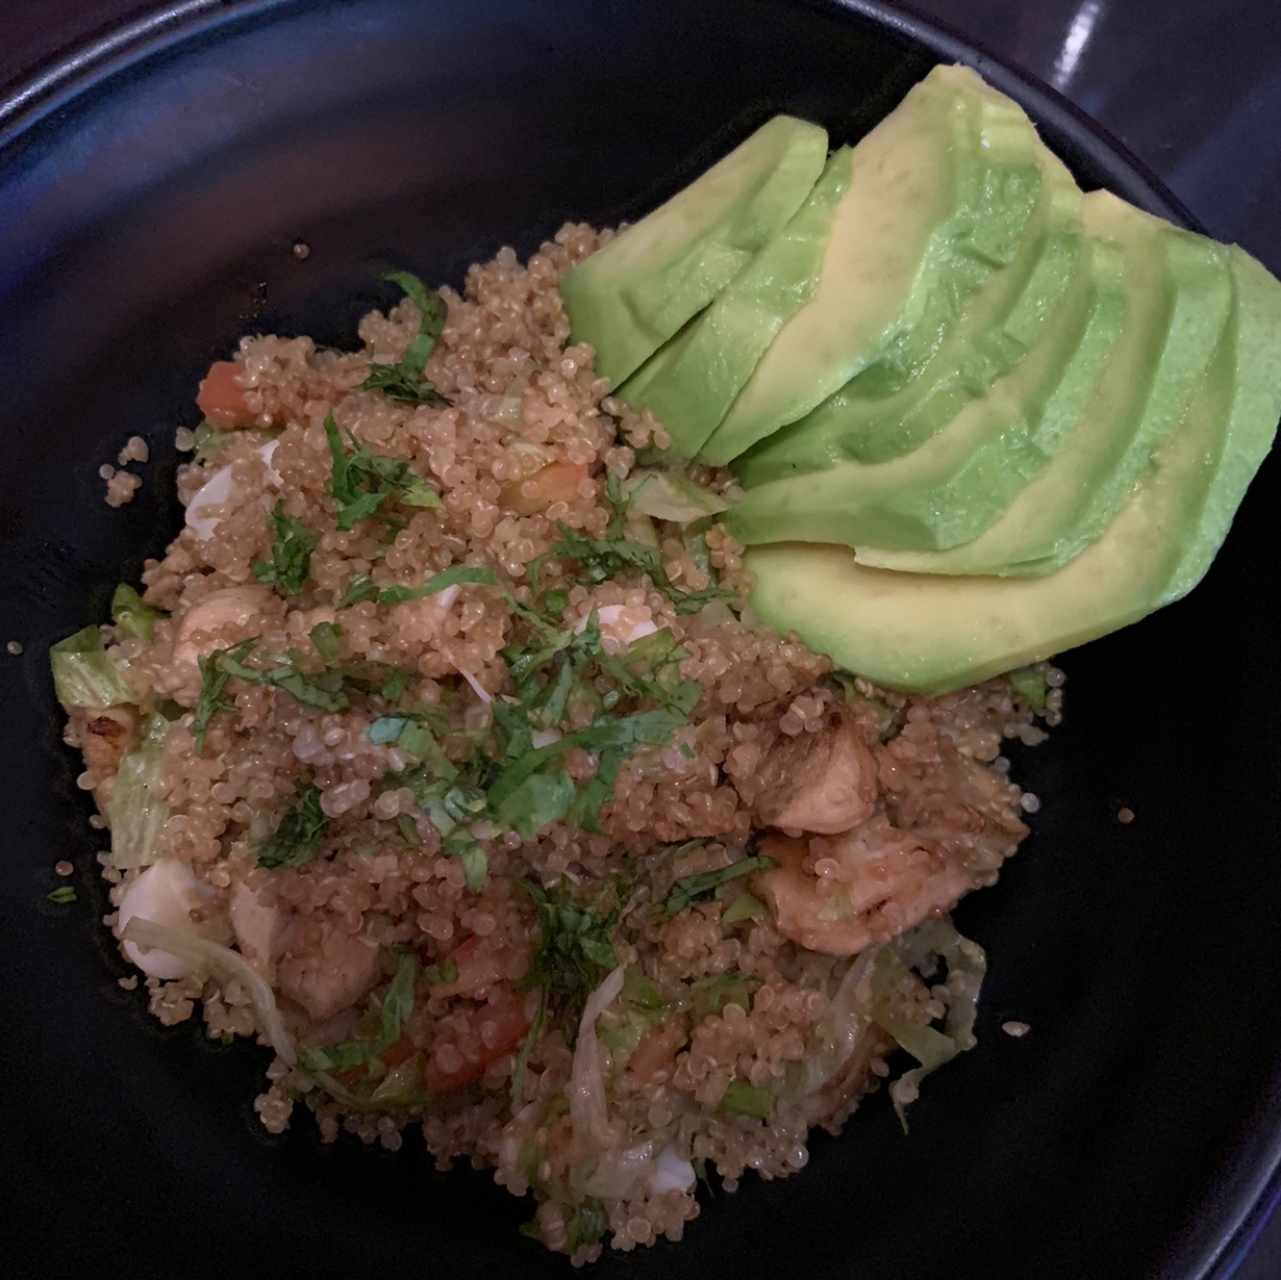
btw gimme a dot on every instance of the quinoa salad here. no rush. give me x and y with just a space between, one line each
442 757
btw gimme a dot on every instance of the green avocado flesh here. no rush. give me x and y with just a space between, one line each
874 418
691 382
956 484
939 193
925 633
632 295
1178 292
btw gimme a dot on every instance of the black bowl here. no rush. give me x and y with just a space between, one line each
151 190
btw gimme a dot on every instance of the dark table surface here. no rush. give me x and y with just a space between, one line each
1192 87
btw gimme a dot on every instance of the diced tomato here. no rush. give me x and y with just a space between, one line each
479 968
556 482
479 1048
221 398
656 1051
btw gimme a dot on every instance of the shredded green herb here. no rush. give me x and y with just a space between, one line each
291 549
361 482
300 834
62 896
404 380
586 1225
458 575
216 669
327 637
691 888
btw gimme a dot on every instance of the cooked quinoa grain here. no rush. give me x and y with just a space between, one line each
446 772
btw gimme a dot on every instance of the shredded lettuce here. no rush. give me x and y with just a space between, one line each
668 495
743 1099
136 810
921 949
130 614
85 675
588 1106
226 965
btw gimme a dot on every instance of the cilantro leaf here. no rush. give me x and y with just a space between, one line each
325 636
404 381
575 946
215 672
458 575
298 837
61 896
691 888
361 587
291 549
361 482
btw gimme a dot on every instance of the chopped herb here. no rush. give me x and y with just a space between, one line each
361 482
459 575
325 636
1029 683
575 947
744 907
130 614
743 1099
291 549
404 381
601 559
527 1045
209 440
686 891
215 672
62 895
408 830
298 837
361 587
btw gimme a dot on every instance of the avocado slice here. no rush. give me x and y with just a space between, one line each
634 293
920 228
961 480
691 382
873 419
1179 292
930 634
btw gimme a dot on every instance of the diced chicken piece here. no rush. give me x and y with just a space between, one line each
219 620
556 482
329 975
884 881
821 782
260 928
167 893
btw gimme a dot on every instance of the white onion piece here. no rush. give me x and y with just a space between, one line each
671 1173
587 1105
166 893
611 627
217 491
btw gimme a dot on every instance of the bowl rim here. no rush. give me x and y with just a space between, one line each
95 58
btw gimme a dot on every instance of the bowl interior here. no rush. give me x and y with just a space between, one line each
149 217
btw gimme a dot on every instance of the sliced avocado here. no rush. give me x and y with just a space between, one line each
1179 292
930 634
961 480
628 298
919 229
872 419
691 382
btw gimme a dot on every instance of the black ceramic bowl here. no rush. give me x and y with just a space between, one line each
150 191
